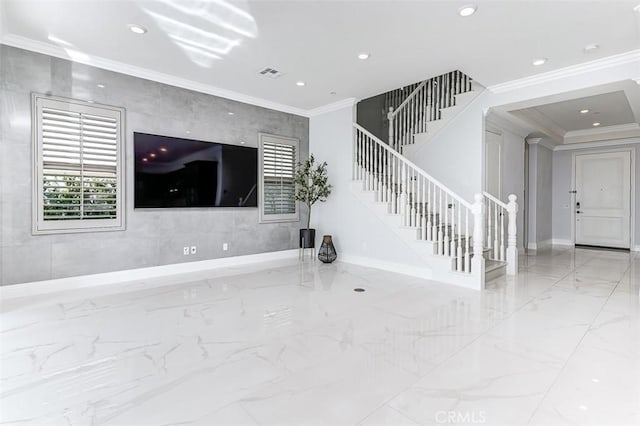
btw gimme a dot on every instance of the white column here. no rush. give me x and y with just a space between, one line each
477 262
512 240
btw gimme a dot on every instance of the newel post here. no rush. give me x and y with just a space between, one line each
512 240
390 118
477 262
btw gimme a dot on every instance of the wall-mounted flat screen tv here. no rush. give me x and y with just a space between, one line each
176 172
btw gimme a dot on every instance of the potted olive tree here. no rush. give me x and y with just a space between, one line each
311 187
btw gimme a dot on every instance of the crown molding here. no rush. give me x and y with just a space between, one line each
598 144
344 103
120 67
596 131
570 71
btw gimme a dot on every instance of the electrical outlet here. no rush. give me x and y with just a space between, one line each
225 246
193 249
185 251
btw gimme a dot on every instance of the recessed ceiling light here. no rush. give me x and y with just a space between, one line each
152 155
540 61
163 149
584 111
241 142
100 85
591 47
467 10
145 159
300 83
137 29
363 56
188 131
231 113
596 124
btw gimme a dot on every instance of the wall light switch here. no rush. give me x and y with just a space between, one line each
193 249
185 250
225 247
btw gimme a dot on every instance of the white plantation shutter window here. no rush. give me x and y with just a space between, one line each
78 166
278 159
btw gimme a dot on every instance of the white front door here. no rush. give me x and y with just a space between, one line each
603 199
493 164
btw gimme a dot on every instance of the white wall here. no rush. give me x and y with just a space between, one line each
356 230
562 201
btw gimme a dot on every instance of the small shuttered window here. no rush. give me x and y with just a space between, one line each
278 158
78 166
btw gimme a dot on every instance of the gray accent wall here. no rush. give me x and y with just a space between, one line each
152 236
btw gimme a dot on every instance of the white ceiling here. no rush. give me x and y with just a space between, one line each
317 41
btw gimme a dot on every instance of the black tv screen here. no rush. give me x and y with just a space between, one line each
176 172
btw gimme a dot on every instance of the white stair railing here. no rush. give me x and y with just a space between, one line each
424 104
501 235
423 203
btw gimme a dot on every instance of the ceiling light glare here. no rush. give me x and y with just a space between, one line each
637 9
596 124
584 111
100 85
467 10
300 83
591 47
231 113
137 29
540 61
363 56
59 40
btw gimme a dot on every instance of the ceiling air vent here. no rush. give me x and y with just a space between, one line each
270 72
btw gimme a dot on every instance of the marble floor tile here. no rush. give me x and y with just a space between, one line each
291 343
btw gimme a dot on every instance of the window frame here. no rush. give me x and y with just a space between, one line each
43 227
285 140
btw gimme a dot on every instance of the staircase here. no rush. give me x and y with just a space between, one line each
427 108
462 243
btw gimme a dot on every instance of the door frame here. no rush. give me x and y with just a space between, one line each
632 196
484 155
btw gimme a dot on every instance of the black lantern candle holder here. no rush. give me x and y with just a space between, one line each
327 252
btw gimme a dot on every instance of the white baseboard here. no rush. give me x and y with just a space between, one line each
399 268
561 242
94 280
635 248
540 246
